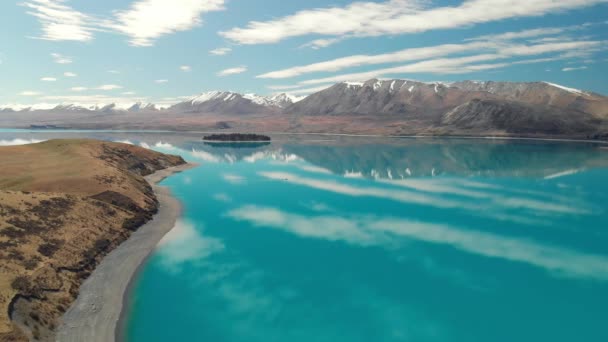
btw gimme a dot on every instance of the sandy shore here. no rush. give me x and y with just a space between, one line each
95 315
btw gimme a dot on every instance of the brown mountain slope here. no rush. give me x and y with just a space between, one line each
64 204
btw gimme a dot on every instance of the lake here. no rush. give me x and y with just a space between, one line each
321 238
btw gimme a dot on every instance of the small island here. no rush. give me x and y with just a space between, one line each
237 137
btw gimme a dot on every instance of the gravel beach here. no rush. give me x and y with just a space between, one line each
95 315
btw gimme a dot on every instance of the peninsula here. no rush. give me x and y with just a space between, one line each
64 205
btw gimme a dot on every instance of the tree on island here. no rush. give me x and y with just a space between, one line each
236 137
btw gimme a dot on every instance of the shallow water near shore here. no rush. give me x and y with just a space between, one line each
327 239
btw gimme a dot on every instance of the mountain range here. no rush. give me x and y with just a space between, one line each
384 107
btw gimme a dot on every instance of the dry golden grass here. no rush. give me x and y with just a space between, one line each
64 204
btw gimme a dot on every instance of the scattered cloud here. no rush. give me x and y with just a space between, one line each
109 87
69 74
365 19
128 93
113 71
161 81
48 79
185 68
574 68
147 20
232 71
79 89
29 93
61 59
220 51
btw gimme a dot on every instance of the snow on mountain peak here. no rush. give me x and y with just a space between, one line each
571 90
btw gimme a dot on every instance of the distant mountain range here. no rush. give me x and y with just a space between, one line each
385 107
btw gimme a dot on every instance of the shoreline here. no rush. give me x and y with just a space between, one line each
98 312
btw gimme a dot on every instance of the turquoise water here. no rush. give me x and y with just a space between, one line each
339 239
436 241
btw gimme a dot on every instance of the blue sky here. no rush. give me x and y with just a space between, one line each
82 51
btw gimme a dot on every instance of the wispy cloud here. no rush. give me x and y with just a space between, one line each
143 22
109 87
69 74
48 79
30 93
220 51
574 68
79 89
185 68
321 43
114 72
61 59
59 21
361 19
232 71
502 49
161 81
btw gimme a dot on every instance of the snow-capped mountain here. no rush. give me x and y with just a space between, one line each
226 102
399 107
412 98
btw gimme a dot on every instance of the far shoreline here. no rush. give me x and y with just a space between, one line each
362 135
99 312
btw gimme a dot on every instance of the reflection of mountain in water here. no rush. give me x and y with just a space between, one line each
414 158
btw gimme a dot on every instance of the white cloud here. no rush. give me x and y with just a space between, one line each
128 93
79 89
29 93
147 20
48 79
500 49
60 22
69 74
220 51
109 87
361 19
232 71
161 81
113 71
574 68
143 22
321 43
61 59
185 68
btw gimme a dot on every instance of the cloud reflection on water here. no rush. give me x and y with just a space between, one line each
185 243
372 230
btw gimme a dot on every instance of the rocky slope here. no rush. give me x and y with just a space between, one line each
64 204
462 108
